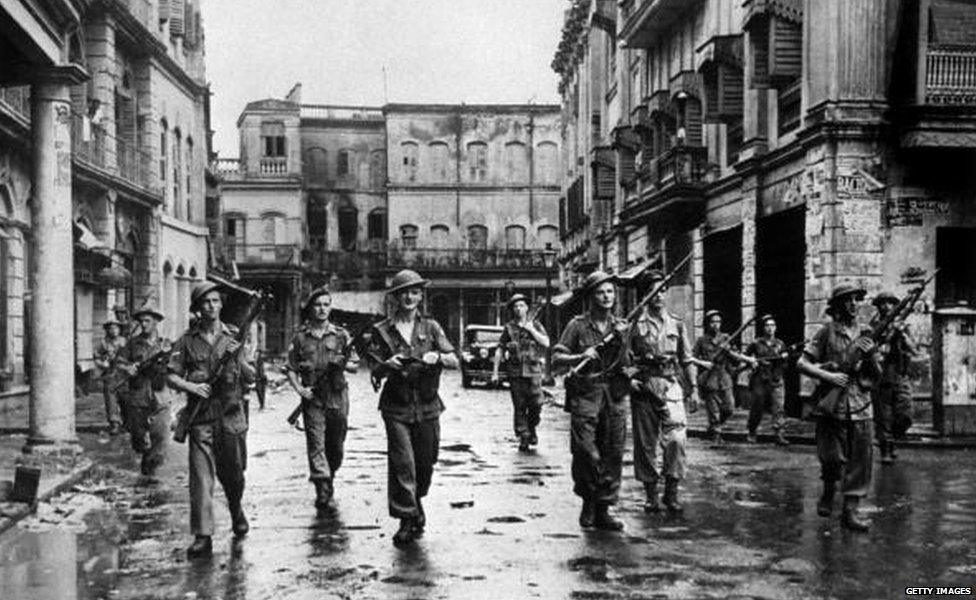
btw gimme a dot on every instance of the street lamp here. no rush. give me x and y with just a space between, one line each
549 260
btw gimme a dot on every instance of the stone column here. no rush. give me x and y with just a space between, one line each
52 395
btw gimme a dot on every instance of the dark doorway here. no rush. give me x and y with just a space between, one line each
348 227
723 275
439 307
955 257
780 286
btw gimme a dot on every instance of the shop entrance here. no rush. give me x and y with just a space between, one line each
723 275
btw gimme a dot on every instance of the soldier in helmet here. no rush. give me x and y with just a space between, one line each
596 399
106 359
714 379
525 341
320 355
893 397
766 383
409 351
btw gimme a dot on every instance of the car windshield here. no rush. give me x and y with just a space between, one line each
483 336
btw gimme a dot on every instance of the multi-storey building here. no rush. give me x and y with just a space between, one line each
793 145
128 146
473 203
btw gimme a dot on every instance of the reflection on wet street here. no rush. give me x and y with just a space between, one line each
500 524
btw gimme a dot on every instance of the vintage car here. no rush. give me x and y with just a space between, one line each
478 354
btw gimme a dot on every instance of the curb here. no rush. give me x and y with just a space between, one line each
82 470
920 443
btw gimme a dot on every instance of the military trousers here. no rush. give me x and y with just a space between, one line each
659 425
411 452
766 394
325 439
719 405
845 449
148 428
527 404
113 410
216 454
892 410
598 431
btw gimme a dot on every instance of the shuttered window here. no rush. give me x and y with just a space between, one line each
177 18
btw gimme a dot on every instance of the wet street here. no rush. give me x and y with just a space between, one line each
500 524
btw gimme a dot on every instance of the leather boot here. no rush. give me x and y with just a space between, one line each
524 443
604 520
825 505
671 496
533 437
752 438
323 494
239 524
587 514
852 519
406 534
201 547
421 521
781 439
652 504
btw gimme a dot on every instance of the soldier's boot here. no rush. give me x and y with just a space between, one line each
533 437
421 521
602 519
825 505
751 437
671 501
587 514
201 547
524 442
406 534
886 457
781 439
852 519
323 494
239 524
652 504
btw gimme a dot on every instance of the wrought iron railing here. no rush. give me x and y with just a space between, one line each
465 258
93 146
269 254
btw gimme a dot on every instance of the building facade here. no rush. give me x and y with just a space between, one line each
791 145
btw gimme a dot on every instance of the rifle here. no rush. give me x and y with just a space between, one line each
791 352
295 414
634 313
195 403
724 348
828 395
144 365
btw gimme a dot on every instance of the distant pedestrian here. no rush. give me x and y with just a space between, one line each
409 351
320 355
661 351
893 397
714 351
843 404
106 359
525 343
766 383
596 399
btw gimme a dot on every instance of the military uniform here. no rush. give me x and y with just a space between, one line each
660 349
715 384
145 413
596 400
411 408
893 397
524 368
319 358
766 383
218 441
106 355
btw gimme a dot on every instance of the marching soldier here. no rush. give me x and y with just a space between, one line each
106 357
714 379
843 409
893 397
596 399
145 413
320 355
526 343
126 325
766 383
409 351
218 433
660 349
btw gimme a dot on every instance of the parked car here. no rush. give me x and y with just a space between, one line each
478 354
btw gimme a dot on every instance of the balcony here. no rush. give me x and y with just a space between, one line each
950 76
275 166
648 20
466 259
93 147
16 101
262 254
142 11
228 169
673 180
686 165
350 264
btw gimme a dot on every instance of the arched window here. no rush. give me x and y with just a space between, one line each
235 226
376 224
477 161
477 237
169 299
548 236
345 162
515 237
516 162
439 159
408 236
348 226
377 169
546 159
438 236
272 228
409 152
164 161
317 217
316 166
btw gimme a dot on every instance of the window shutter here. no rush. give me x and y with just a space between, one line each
730 93
628 173
177 25
163 11
759 44
693 122
785 51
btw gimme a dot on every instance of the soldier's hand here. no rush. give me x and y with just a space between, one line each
635 385
865 344
305 393
128 369
694 402
591 353
394 363
706 364
233 347
200 389
838 379
431 358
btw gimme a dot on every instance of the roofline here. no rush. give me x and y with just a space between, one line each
469 108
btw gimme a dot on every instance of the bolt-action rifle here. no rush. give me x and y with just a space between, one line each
144 366
718 361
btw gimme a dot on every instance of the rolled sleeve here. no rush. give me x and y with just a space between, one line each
443 344
177 360
815 349
294 356
569 340
684 347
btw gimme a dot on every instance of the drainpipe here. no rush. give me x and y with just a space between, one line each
457 172
531 166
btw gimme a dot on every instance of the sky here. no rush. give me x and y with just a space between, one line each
447 51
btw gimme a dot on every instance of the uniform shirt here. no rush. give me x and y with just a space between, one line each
196 360
525 355
140 390
896 353
832 344
771 369
582 333
311 354
710 348
410 395
660 344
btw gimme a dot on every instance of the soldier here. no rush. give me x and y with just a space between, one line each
145 413
660 349
596 399
893 397
526 343
714 379
218 433
126 324
766 383
409 351
320 355
843 409
106 356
